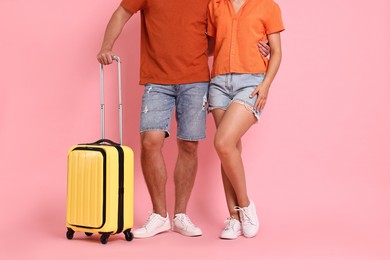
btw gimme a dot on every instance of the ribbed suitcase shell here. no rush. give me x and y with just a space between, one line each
100 182
94 203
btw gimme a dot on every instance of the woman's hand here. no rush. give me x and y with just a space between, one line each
262 94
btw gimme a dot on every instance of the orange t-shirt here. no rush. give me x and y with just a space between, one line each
237 34
173 40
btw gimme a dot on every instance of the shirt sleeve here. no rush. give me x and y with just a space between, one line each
133 6
274 23
210 20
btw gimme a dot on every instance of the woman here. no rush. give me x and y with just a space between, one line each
241 78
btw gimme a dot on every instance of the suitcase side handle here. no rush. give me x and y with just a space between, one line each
102 105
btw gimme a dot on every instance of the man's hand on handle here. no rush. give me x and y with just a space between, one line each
105 56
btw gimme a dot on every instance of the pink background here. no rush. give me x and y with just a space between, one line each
317 163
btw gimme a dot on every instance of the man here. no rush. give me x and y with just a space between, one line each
174 72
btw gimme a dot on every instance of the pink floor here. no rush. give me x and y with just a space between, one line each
39 233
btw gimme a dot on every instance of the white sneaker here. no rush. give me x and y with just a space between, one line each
249 221
183 225
154 225
232 230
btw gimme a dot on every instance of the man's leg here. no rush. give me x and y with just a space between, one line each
185 173
157 105
191 126
153 169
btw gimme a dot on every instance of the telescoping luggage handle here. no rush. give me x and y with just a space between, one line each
102 109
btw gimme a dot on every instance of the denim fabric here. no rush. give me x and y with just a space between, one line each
228 88
190 100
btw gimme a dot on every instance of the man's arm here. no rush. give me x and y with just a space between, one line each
113 30
264 47
211 45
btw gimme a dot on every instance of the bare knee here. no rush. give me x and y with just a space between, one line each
152 140
222 145
188 147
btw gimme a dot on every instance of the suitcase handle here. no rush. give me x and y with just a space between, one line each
102 108
104 141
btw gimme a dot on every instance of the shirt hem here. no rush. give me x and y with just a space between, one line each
172 82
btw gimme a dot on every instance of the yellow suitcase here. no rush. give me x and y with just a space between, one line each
101 183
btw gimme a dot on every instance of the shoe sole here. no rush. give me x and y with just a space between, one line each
187 234
250 235
158 231
231 237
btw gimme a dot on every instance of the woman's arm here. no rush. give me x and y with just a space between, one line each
273 66
263 47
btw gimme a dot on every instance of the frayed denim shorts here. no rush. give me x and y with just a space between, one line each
190 100
227 88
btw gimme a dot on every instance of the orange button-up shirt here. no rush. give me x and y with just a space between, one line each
237 34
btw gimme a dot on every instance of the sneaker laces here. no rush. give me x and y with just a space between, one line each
244 215
150 221
186 221
229 223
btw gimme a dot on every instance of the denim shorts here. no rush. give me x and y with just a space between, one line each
228 88
190 100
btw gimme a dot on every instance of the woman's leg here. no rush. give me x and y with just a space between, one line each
230 195
232 125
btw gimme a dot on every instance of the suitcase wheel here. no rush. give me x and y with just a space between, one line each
88 234
69 233
128 235
104 238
